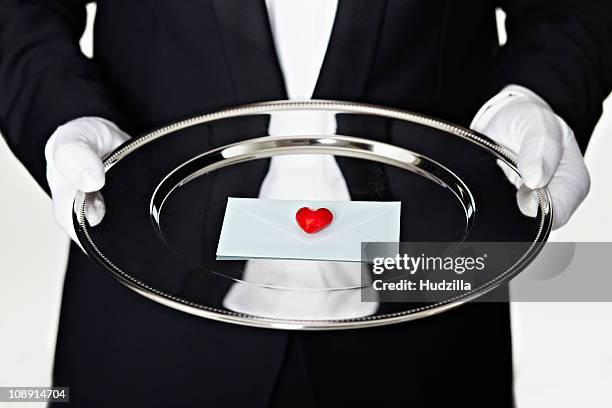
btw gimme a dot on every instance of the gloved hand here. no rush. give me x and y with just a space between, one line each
73 154
548 154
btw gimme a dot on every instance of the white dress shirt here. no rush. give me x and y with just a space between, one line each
301 31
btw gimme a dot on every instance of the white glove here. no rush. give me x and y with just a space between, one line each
73 154
548 154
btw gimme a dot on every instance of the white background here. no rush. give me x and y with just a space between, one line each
562 351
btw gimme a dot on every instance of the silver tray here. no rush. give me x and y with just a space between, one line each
166 191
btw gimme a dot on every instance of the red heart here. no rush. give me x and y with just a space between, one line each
312 221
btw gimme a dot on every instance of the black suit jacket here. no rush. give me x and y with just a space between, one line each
158 61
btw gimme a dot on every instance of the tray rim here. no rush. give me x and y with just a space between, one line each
501 152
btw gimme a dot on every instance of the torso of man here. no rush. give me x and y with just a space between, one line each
301 32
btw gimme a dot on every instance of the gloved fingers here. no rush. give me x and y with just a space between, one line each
79 164
95 209
541 148
568 188
527 201
63 200
101 135
76 149
73 155
63 196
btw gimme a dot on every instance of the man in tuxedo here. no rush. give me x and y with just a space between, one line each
156 62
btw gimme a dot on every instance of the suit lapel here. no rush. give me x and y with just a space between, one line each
254 66
352 47
249 48
344 76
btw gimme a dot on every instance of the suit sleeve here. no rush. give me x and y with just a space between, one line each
562 50
45 80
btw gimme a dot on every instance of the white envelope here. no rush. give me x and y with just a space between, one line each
259 228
